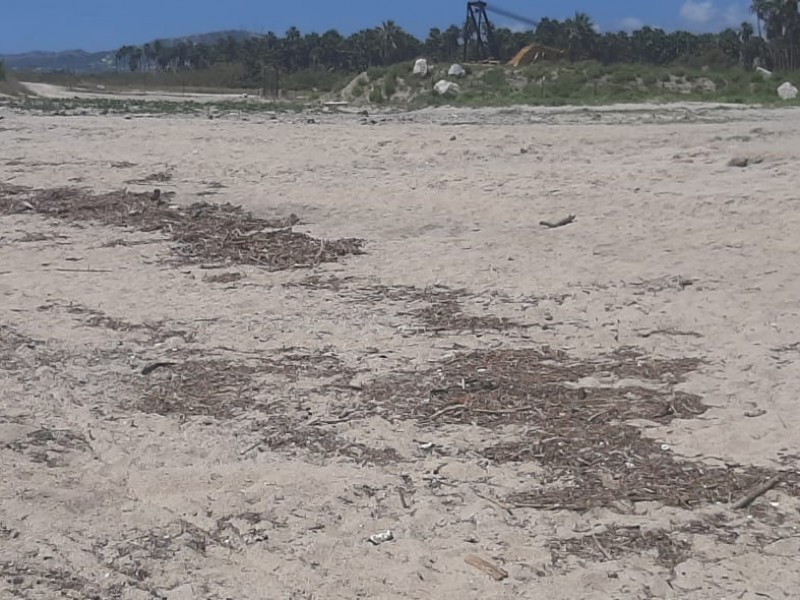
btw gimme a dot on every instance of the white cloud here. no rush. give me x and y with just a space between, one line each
698 13
737 13
631 23
703 14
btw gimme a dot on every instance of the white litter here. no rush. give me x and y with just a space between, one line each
382 537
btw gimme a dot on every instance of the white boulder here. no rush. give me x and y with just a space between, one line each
787 91
456 70
421 67
765 73
446 88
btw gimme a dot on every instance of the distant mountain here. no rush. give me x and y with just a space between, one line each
69 60
94 62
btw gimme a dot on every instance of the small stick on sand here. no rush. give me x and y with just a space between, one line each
81 270
481 564
497 503
403 500
150 368
603 551
559 223
318 257
757 493
249 449
446 410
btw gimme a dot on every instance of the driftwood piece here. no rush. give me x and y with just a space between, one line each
158 365
484 565
757 493
675 332
560 223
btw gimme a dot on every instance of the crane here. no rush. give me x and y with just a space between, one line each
510 15
478 31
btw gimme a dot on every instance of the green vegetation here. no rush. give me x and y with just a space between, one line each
104 106
2 71
646 64
585 83
376 96
589 83
388 44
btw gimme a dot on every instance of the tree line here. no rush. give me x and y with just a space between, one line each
775 44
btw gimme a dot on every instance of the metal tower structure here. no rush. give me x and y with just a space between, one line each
478 33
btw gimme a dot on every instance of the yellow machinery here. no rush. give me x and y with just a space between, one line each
534 53
480 42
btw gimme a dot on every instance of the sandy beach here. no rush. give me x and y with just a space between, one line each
532 412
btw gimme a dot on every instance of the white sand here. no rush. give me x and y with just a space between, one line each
655 201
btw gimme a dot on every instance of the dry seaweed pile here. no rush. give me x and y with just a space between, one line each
321 364
363 290
578 433
36 236
17 350
443 311
50 446
670 548
204 233
327 444
159 177
222 388
501 387
9 189
449 316
157 331
6 533
215 388
138 555
359 290
224 278
30 579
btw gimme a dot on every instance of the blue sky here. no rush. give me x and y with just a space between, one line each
107 24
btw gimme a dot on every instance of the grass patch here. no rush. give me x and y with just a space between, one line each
389 86
550 83
376 96
314 80
589 84
495 78
111 105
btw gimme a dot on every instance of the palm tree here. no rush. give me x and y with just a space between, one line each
331 46
550 32
121 56
782 27
158 51
451 42
135 58
389 33
434 44
580 36
149 56
746 32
